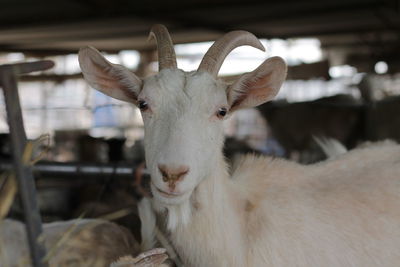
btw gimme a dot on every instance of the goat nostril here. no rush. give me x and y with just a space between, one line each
164 171
184 172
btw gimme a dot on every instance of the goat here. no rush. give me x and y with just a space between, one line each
293 124
340 117
268 212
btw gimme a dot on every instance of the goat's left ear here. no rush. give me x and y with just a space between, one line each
259 86
111 79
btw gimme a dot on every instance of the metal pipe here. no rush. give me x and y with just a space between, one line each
78 170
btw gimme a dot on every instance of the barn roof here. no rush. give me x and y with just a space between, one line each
63 26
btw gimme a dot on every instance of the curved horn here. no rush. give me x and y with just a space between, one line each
166 52
215 56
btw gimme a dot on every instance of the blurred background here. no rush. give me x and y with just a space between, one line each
343 82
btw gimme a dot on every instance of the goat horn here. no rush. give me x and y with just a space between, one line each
166 52
215 56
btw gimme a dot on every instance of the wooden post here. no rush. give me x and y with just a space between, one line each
23 171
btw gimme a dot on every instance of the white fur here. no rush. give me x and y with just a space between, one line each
148 224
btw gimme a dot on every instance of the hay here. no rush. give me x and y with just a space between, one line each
63 239
8 189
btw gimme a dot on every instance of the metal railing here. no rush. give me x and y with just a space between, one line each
23 169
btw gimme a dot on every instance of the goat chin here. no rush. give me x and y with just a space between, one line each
170 201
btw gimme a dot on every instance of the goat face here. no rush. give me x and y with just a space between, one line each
183 130
183 111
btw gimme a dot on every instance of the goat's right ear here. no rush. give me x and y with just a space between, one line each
111 79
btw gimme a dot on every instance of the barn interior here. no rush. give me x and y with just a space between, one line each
343 83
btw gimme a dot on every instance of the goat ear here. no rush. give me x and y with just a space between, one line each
259 86
111 79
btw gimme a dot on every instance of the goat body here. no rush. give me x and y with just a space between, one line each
342 212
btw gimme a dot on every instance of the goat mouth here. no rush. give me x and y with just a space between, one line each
166 194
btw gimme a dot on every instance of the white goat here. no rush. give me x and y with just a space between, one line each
270 212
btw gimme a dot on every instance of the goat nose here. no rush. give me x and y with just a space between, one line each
173 174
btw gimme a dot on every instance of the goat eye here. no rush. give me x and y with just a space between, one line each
143 105
221 112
